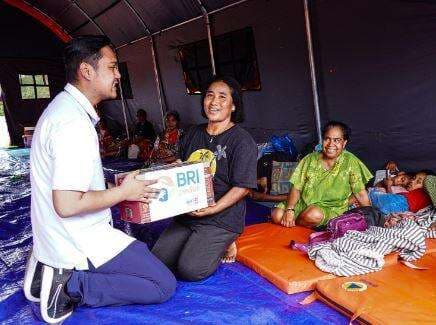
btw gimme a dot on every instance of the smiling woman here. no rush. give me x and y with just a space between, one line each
323 183
193 244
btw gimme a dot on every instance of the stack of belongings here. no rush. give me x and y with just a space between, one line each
363 252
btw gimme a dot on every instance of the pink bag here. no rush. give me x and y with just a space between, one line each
336 228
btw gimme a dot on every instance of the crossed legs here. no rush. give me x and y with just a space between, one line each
311 217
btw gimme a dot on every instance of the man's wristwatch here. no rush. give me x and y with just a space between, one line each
290 209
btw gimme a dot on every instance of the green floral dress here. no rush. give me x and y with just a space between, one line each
329 190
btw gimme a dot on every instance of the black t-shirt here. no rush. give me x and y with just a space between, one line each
233 154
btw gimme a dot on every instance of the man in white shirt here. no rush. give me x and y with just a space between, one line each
78 258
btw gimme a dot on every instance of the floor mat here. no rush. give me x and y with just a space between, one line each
395 295
234 294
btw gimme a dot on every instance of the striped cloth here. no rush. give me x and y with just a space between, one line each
363 252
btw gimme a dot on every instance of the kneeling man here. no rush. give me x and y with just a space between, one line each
78 258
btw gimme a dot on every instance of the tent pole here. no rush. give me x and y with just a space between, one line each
209 35
158 81
312 71
159 86
124 112
119 83
74 2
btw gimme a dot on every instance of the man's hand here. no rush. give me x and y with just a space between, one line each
288 219
138 190
204 212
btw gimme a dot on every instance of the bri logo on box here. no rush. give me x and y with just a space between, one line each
187 178
163 195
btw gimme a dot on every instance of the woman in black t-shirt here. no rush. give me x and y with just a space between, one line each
193 244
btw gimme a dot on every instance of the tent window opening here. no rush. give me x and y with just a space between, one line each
235 55
34 86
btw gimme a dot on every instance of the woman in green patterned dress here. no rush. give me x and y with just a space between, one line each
324 182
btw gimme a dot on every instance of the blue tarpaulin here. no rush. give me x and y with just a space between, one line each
233 295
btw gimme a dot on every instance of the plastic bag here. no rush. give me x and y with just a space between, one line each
283 143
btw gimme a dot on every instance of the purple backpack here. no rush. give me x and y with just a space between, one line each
336 228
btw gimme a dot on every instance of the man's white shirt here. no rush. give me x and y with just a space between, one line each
65 156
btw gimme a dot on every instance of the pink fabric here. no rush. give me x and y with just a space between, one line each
398 189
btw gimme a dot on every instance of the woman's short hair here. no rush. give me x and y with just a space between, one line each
174 114
346 131
236 92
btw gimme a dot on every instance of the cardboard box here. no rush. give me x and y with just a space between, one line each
184 188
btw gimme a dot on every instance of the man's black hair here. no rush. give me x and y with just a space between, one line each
80 49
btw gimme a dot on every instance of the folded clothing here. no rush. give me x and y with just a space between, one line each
363 252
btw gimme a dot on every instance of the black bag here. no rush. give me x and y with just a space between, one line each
373 216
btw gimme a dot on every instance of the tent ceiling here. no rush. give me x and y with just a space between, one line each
118 21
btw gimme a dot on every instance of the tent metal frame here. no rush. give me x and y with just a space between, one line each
209 35
58 30
312 71
92 19
182 23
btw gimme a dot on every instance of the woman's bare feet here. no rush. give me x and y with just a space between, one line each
230 255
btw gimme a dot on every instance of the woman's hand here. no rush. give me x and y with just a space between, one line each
362 198
288 219
204 212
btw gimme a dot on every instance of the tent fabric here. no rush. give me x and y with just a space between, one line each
20 112
376 63
157 15
25 52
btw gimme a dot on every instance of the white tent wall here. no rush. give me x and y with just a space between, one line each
284 104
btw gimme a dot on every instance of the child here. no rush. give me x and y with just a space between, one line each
396 184
413 200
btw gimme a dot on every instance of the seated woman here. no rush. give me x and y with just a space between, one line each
108 147
323 182
143 135
167 144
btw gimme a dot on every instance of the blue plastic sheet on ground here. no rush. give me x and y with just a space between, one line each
234 294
